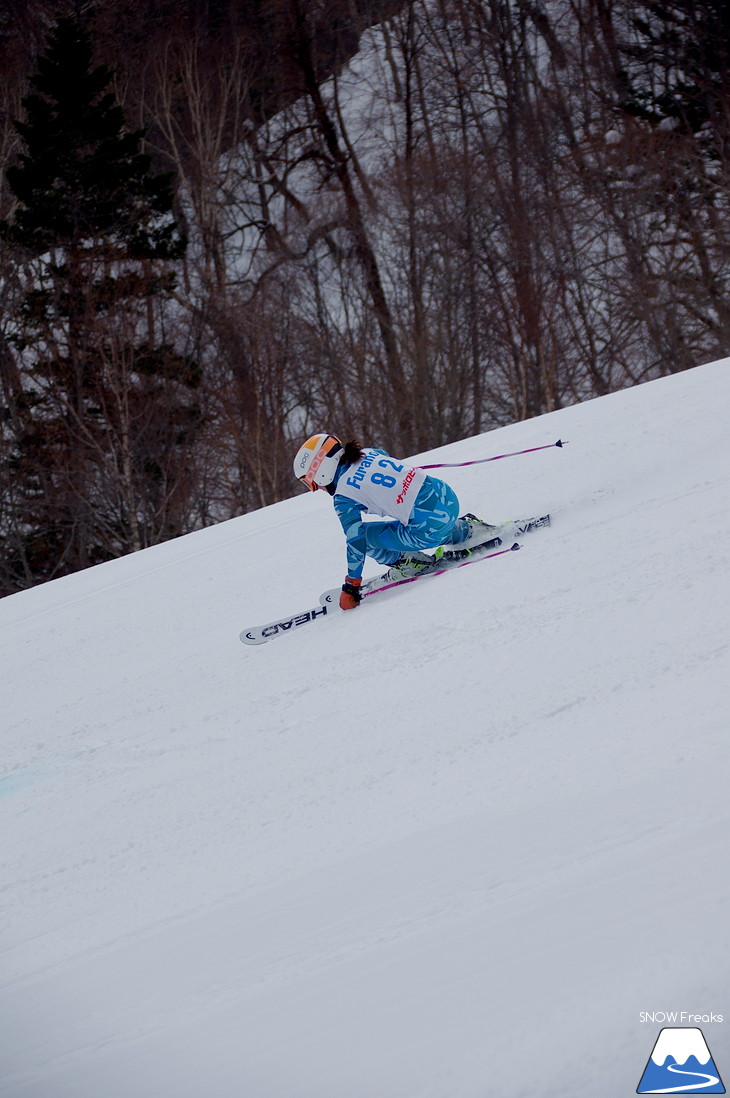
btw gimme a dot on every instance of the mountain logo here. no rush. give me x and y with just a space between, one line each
680 1063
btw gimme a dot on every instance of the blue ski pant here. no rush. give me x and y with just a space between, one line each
434 521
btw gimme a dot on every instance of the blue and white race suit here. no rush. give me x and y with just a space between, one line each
424 511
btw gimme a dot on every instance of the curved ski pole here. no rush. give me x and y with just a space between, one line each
440 571
497 457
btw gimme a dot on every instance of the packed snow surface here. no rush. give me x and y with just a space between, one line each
448 845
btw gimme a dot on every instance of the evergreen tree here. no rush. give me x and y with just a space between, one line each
679 83
107 413
683 50
670 178
83 175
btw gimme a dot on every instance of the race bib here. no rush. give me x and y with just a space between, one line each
385 485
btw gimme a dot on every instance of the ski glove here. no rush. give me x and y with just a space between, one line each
350 596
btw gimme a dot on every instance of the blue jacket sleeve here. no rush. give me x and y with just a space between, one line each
350 515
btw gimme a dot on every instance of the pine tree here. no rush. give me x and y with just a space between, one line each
679 86
683 47
107 411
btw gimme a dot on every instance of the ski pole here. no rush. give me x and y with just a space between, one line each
497 457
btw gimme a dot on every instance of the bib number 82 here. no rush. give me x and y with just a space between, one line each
380 478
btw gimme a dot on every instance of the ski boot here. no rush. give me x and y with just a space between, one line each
479 531
409 565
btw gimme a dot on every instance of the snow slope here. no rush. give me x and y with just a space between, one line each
449 845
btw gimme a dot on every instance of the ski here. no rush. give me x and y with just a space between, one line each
454 558
375 586
259 634
517 528
449 558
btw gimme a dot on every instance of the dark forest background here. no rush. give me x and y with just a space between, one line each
225 225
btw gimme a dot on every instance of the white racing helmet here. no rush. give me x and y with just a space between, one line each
317 460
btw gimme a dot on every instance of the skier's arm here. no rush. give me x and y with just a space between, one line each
350 515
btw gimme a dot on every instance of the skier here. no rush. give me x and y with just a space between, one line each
424 510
